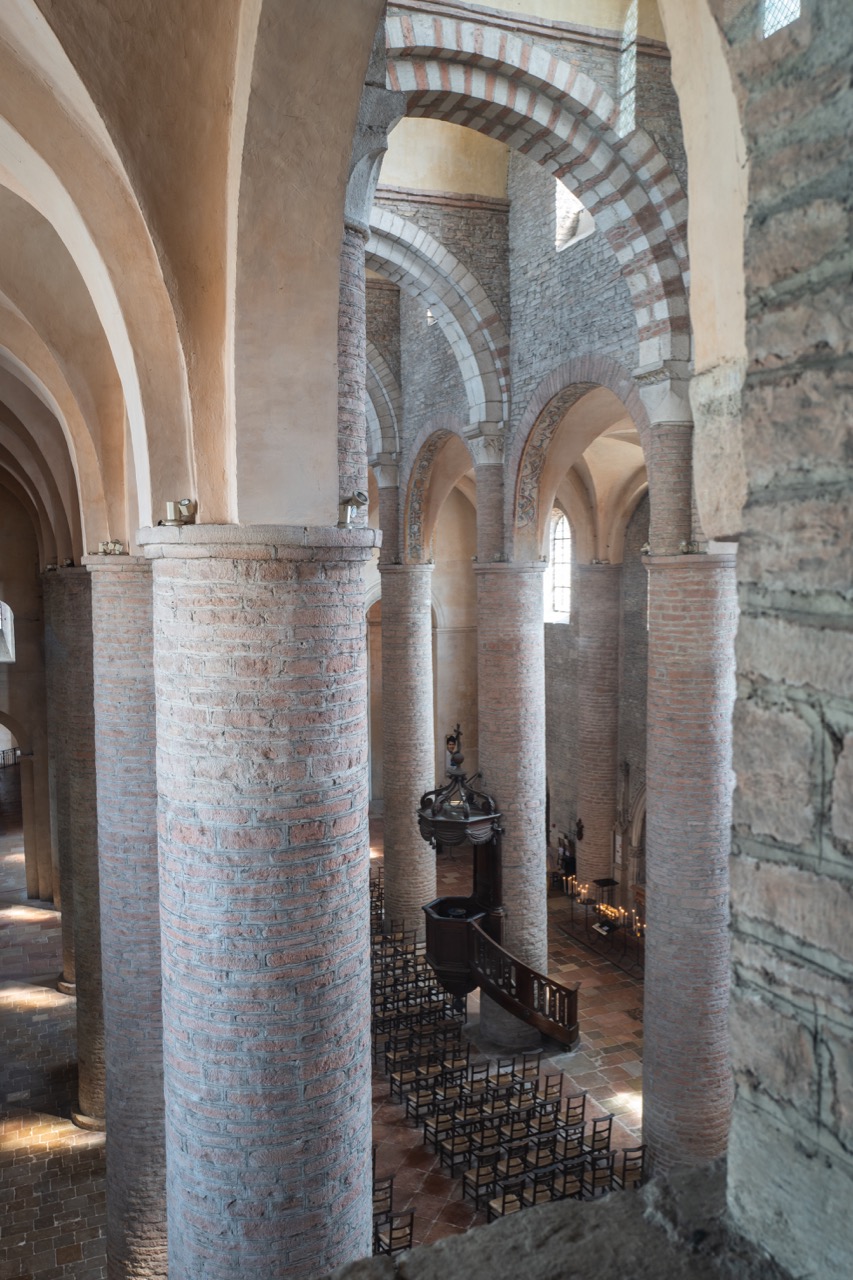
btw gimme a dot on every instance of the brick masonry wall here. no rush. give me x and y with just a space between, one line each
563 304
687 1085
658 113
79 746
57 678
125 741
561 723
598 604
633 662
791 1150
260 674
407 738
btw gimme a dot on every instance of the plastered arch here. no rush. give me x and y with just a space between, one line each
439 457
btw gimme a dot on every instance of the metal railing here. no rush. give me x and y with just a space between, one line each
8 756
544 1003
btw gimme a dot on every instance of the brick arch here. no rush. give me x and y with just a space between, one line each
416 476
385 398
526 97
424 268
553 398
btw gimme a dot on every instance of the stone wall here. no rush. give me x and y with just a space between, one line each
432 384
383 321
791 1150
563 304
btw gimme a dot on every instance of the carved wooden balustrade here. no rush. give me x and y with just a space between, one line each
544 1003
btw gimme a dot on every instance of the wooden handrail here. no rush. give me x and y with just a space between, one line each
545 1004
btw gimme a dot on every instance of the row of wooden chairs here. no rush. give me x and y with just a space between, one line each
590 1175
392 1232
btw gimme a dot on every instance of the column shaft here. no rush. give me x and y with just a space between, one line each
78 747
260 675
58 678
125 740
408 738
687 1085
352 367
511 709
599 610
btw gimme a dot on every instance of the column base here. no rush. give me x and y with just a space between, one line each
67 988
93 1123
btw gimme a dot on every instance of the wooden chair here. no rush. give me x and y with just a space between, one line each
539 1190
598 1138
481 1178
454 1150
550 1089
527 1067
394 1235
568 1181
573 1109
383 1196
633 1171
507 1201
541 1154
600 1172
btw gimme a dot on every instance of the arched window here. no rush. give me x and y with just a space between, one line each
7 633
779 14
558 579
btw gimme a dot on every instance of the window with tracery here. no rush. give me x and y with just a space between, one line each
558 579
779 14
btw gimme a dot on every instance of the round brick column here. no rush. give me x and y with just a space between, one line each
58 678
687 1083
670 466
352 368
125 736
408 738
599 606
511 711
260 678
78 745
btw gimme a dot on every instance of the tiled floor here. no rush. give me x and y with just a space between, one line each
52 1174
607 1063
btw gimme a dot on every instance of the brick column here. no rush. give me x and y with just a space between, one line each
670 468
79 747
352 368
511 712
260 677
408 738
687 1085
58 680
599 609
125 738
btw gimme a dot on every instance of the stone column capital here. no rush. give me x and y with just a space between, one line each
424 567
256 541
117 564
509 566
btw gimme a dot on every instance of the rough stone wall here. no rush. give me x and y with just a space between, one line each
657 111
634 656
383 321
791 1149
431 382
475 230
563 304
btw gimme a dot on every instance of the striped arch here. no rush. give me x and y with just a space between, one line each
425 269
557 393
384 408
526 97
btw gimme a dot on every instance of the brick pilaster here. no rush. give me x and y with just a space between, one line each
687 1084
670 467
260 677
79 748
125 741
408 738
511 711
490 511
352 368
58 679
599 608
